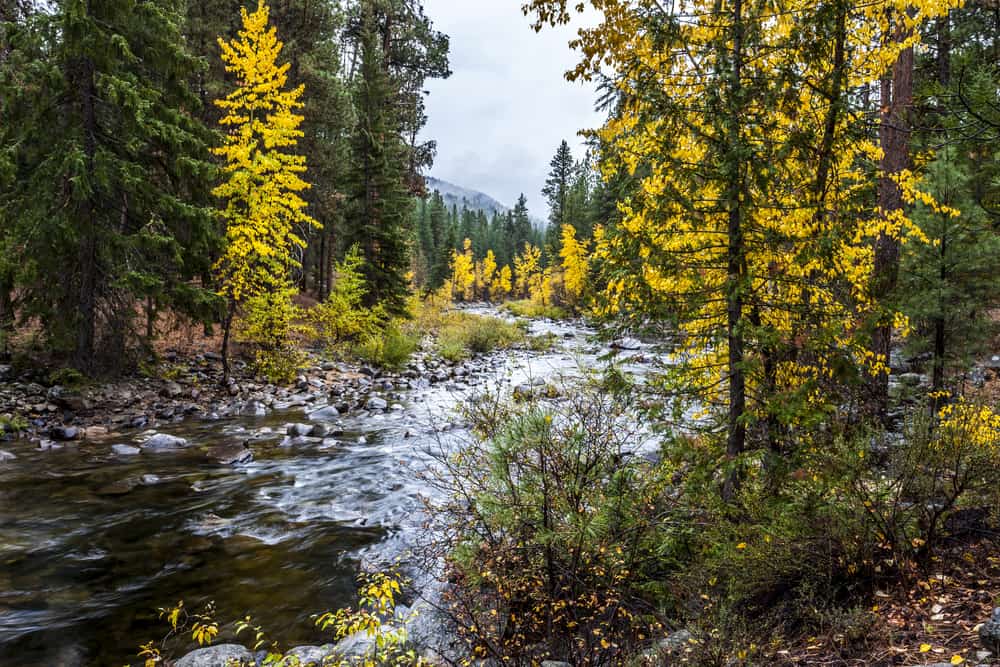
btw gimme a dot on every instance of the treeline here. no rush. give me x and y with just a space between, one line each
108 158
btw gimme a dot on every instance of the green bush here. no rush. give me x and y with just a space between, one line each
533 310
342 316
67 377
391 348
268 323
555 521
461 335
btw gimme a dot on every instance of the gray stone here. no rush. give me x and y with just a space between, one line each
555 663
311 656
65 433
49 446
125 450
231 453
119 488
6 372
171 390
626 344
223 655
319 431
376 403
253 409
328 413
6 456
149 480
299 429
354 646
989 633
163 442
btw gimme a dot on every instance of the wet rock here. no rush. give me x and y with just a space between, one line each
299 429
125 450
6 373
49 446
95 432
65 433
222 655
119 488
163 442
319 431
253 408
555 663
310 655
231 453
171 390
149 480
989 632
626 344
376 403
354 646
330 443
397 407
327 413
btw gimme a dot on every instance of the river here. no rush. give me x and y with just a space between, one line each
91 543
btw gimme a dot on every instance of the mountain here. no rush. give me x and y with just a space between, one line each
471 199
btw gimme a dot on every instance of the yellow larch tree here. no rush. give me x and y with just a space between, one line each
527 268
486 270
575 265
262 176
501 287
463 272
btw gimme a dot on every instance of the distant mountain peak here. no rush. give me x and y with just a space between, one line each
456 195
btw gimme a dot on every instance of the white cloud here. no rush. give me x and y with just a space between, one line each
500 117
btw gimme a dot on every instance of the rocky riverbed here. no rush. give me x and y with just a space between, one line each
127 497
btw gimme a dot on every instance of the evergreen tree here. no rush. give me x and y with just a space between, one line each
108 201
557 192
379 201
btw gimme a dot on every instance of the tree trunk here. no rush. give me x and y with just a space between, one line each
227 327
6 315
86 311
894 136
736 426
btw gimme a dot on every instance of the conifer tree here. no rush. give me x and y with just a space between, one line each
379 202
557 194
107 201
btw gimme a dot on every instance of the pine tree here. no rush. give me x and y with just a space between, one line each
557 193
108 202
378 198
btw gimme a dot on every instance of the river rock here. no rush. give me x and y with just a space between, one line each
149 480
376 403
231 453
6 372
310 655
555 663
49 446
626 344
989 632
354 646
65 433
319 431
163 442
6 456
119 488
299 429
253 409
327 413
125 450
223 655
171 390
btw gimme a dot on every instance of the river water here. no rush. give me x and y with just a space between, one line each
89 551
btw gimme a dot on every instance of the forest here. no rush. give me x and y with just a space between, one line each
267 397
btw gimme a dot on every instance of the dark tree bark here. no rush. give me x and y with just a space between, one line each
86 309
894 137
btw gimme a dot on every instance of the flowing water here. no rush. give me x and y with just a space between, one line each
91 545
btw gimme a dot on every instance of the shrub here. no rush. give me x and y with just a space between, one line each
535 310
461 335
67 377
391 348
555 522
342 316
268 322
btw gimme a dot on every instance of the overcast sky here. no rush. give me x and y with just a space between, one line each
501 115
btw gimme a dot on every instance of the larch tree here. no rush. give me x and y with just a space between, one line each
575 265
262 176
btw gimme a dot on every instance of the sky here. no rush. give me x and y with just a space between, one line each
503 112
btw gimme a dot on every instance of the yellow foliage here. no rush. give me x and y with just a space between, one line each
262 177
463 273
527 269
575 264
501 286
485 273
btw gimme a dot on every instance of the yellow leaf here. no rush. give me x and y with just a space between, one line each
924 648
957 660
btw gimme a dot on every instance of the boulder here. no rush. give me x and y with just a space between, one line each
231 453
65 433
354 646
295 430
989 633
311 656
626 344
163 442
253 409
125 450
171 390
328 413
376 403
223 655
